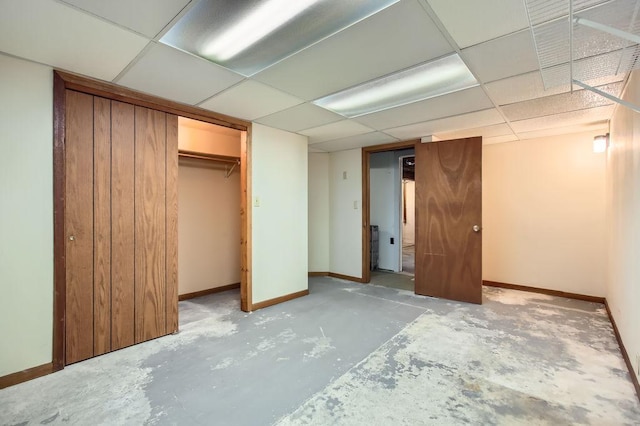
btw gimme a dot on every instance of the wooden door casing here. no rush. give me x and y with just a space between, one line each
448 205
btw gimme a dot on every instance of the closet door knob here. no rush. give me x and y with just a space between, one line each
72 238
476 228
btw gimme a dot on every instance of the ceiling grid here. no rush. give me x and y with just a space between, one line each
517 51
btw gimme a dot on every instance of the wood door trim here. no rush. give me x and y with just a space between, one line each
366 198
63 81
59 183
119 93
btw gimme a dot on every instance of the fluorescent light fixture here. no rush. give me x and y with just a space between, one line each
428 80
254 27
247 36
600 143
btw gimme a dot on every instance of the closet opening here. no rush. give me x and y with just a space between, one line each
209 199
116 265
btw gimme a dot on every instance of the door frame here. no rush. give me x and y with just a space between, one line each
366 197
63 81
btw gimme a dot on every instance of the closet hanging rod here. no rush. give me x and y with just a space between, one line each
208 157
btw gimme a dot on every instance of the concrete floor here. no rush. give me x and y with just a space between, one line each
351 354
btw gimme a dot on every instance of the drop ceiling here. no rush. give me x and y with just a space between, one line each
125 42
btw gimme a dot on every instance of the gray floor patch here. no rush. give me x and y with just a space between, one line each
351 354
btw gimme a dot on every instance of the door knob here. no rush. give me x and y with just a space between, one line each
71 238
476 228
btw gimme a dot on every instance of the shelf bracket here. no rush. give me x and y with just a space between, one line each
231 169
608 96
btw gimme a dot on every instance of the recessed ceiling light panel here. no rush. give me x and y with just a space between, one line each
428 80
248 36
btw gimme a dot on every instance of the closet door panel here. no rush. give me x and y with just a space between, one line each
102 225
122 225
79 227
150 224
172 223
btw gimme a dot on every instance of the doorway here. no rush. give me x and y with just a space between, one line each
209 208
387 206
408 215
448 206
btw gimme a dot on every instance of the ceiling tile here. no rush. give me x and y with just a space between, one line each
520 88
503 57
443 106
601 125
471 22
169 73
556 104
358 141
250 100
340 129
486 132
463 121
300 117
561 120
147 17
499 139
530 86
364 51
63 37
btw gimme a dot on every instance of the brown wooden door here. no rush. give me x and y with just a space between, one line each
121 166
448 178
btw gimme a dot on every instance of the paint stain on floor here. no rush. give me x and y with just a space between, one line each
350 354
508 362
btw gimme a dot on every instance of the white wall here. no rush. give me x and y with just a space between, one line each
544 214
279 223
623 212
346 212
318 212
26 216
409 228
208 226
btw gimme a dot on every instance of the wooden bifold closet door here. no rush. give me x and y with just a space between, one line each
121 171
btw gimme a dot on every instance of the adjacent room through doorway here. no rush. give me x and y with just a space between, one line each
392 218
408 209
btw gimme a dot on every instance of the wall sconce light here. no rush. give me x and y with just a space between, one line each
600 143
